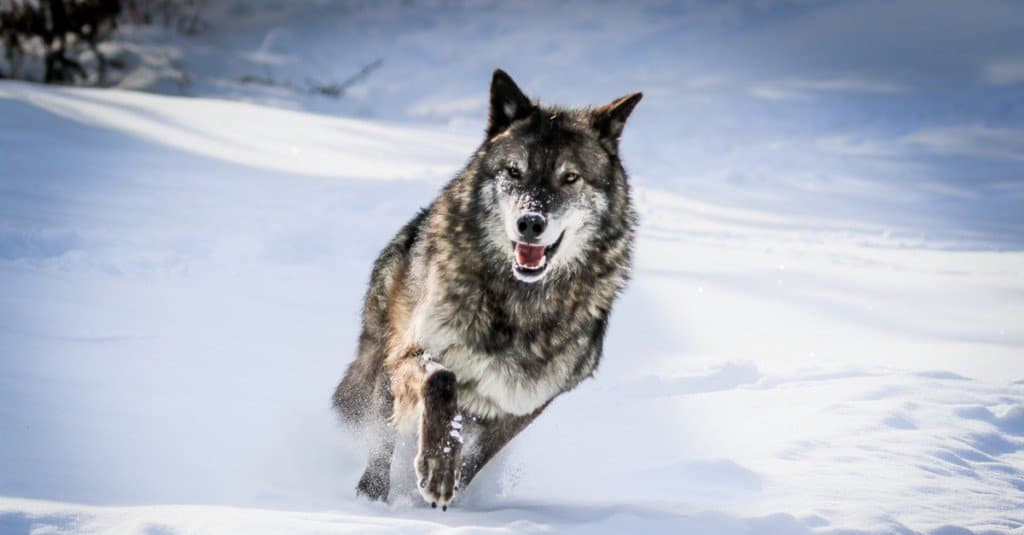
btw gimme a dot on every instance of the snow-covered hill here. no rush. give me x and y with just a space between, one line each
180 280
906 115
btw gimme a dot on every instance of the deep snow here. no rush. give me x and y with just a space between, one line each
180 281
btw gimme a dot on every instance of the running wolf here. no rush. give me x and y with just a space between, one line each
495 299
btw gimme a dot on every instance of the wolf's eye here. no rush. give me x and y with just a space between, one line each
514 172
571 177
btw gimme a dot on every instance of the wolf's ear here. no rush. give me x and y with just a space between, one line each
610 118
508 103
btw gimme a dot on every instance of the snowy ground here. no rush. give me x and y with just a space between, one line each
823 334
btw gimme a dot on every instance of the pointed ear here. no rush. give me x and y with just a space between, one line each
610 118
508 103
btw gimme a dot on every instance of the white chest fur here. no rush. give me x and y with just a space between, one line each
494 384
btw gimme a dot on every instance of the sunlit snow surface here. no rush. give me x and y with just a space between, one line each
180 279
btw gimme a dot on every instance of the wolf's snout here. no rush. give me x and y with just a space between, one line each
531 226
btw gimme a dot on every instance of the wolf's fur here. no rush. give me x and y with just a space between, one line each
462 341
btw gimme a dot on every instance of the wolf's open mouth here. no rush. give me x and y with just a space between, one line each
532 260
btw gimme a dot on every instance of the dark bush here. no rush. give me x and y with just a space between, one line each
60 26
57 31
184 16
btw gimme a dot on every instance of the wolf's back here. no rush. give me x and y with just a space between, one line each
364 380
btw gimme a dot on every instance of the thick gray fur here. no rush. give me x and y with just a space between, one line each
456 342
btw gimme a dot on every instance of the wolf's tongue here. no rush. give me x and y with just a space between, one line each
529 256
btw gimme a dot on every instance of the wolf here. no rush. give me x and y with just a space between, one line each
495 299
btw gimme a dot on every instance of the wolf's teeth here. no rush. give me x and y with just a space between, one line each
538 265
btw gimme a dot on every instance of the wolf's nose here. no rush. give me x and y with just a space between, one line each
531 226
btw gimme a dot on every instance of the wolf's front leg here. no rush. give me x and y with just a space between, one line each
426 400
491 435
437 460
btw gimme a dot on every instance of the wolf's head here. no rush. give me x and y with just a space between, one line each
549 180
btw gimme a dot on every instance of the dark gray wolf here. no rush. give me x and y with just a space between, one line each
495 299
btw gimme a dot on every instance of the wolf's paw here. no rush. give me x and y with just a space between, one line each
438 477
374 486
437 461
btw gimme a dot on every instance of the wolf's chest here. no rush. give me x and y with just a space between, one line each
504 382
490 385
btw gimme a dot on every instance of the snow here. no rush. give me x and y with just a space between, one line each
822 335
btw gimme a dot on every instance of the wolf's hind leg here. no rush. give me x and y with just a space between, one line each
376 480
